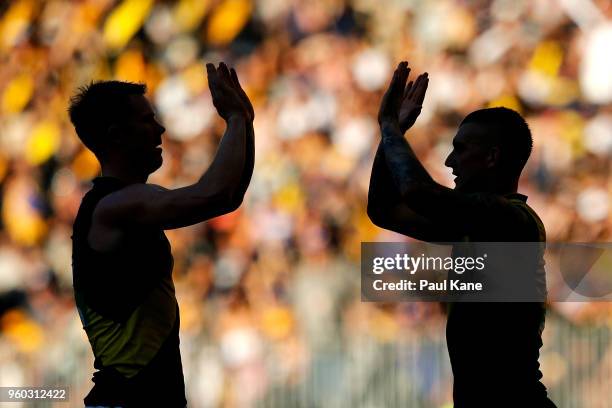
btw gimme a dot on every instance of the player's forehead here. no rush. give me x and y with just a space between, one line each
139 106
471 133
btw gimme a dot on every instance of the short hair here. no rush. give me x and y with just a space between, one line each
512 135
97 106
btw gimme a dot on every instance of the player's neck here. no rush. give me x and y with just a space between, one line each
492 185
503 187
123 173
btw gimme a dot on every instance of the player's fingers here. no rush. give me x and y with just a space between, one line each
408 89
396 87
423 89
235 78
394 77
414 87
237 84
405 76
211 72
224 72
403 73
213 83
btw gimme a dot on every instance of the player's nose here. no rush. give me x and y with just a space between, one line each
162 129
450 162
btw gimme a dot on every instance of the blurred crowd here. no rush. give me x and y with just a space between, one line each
271 313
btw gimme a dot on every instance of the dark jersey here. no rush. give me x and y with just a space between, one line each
494 347
127 305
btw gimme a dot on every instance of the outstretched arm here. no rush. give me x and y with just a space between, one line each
223 176
397 174
386 208
220 189
249 161
399 110
432 212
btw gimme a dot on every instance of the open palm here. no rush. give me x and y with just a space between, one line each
412 102
225 96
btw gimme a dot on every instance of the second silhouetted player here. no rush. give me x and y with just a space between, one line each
493 347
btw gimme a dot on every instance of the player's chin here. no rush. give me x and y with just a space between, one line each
459 184
159 163
155 164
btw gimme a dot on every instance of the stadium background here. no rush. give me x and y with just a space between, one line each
269 295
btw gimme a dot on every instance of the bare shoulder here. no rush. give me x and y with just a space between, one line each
129 198
112 214
152 205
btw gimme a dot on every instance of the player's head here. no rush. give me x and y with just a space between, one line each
115 121
491 146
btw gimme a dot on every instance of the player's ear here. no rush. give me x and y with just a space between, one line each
113 135
493 157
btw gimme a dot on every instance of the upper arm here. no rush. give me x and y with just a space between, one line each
153 205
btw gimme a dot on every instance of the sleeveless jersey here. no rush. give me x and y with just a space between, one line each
494 347
127 305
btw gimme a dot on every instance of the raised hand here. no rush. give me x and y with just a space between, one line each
243 96
412 102
392 99
225 96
